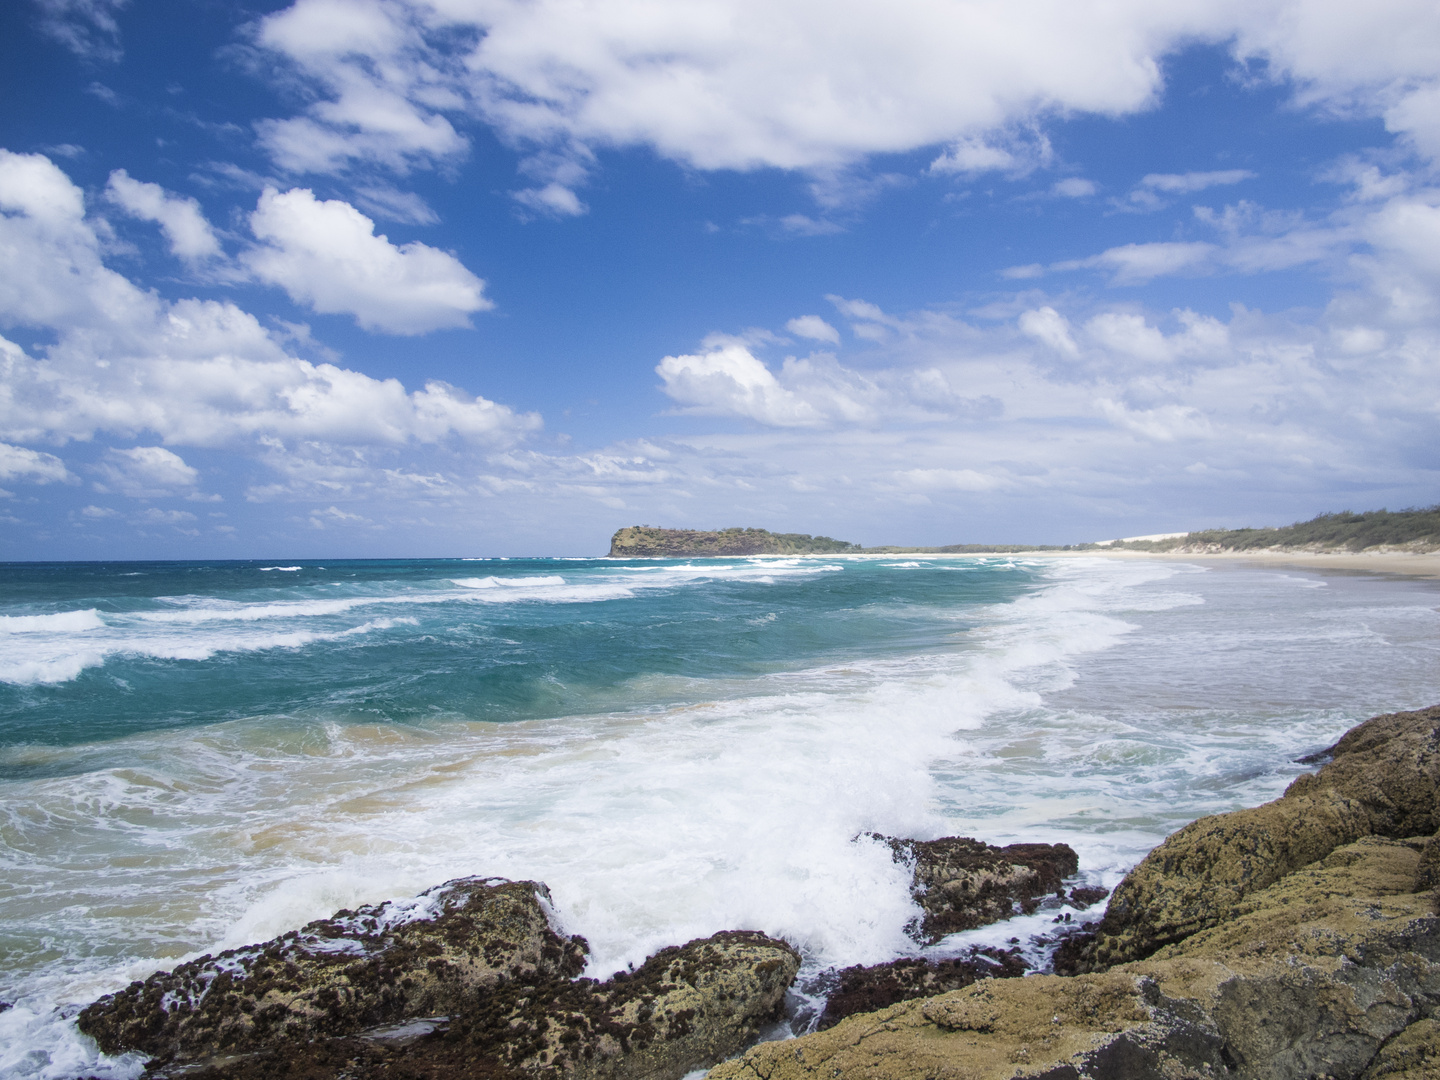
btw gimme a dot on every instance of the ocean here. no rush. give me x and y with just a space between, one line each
195 756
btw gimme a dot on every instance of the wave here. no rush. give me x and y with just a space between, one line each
57 664
62 622
509 583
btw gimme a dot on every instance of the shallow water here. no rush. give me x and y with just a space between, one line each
196 756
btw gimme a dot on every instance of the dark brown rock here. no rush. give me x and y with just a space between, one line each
337 976
865 989
962 883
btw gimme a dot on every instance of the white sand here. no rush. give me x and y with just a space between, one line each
1425 565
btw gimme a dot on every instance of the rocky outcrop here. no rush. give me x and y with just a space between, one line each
468 980
358 969
865 989
1296 940
1382 779
648 542
961 883
1325 973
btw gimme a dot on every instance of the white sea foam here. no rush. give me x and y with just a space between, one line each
62 622
509 582
287 568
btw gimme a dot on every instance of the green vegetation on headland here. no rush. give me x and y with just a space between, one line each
1416 530
647 542
1383 530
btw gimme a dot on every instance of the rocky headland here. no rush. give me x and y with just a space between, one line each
649 542
1295 939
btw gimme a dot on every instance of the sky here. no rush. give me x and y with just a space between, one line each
407 278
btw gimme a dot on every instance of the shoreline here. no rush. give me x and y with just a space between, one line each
1423 565
1406 564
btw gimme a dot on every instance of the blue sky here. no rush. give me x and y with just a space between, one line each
390 277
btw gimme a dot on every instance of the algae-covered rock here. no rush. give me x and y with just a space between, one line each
377 965
1413 1054
1312 977
686 1007
961 883
1383 779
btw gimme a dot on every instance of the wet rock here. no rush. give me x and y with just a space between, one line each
379 965
1382 779
1321 974
684 1008
962 883
865 989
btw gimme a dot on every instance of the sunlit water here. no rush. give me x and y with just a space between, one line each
197 756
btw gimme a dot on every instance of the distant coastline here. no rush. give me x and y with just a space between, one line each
1378 541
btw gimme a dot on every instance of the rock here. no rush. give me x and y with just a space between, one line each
865 989
1383 779
1414 1054
684 1008
378 965
961 883
1320 974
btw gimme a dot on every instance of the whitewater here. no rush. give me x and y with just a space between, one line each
196 756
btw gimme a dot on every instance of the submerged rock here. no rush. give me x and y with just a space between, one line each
962 883
381 964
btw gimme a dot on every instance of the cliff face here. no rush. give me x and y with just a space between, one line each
648 542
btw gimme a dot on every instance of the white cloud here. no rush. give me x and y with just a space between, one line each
1133 263
86 27
155 516
555 200
1074 187
727 379
21 463
813 327
146 472
325 254
948 480
189 373
1186 183
742 84
1049 326
181 219
392 204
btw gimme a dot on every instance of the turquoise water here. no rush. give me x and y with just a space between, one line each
200 755
100 651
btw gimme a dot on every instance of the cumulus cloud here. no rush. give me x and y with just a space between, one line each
813 327
326 255
128 364
145 472
1050 327
180 218
743 84
22 463
727 379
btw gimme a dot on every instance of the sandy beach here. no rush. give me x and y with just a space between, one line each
1425 565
